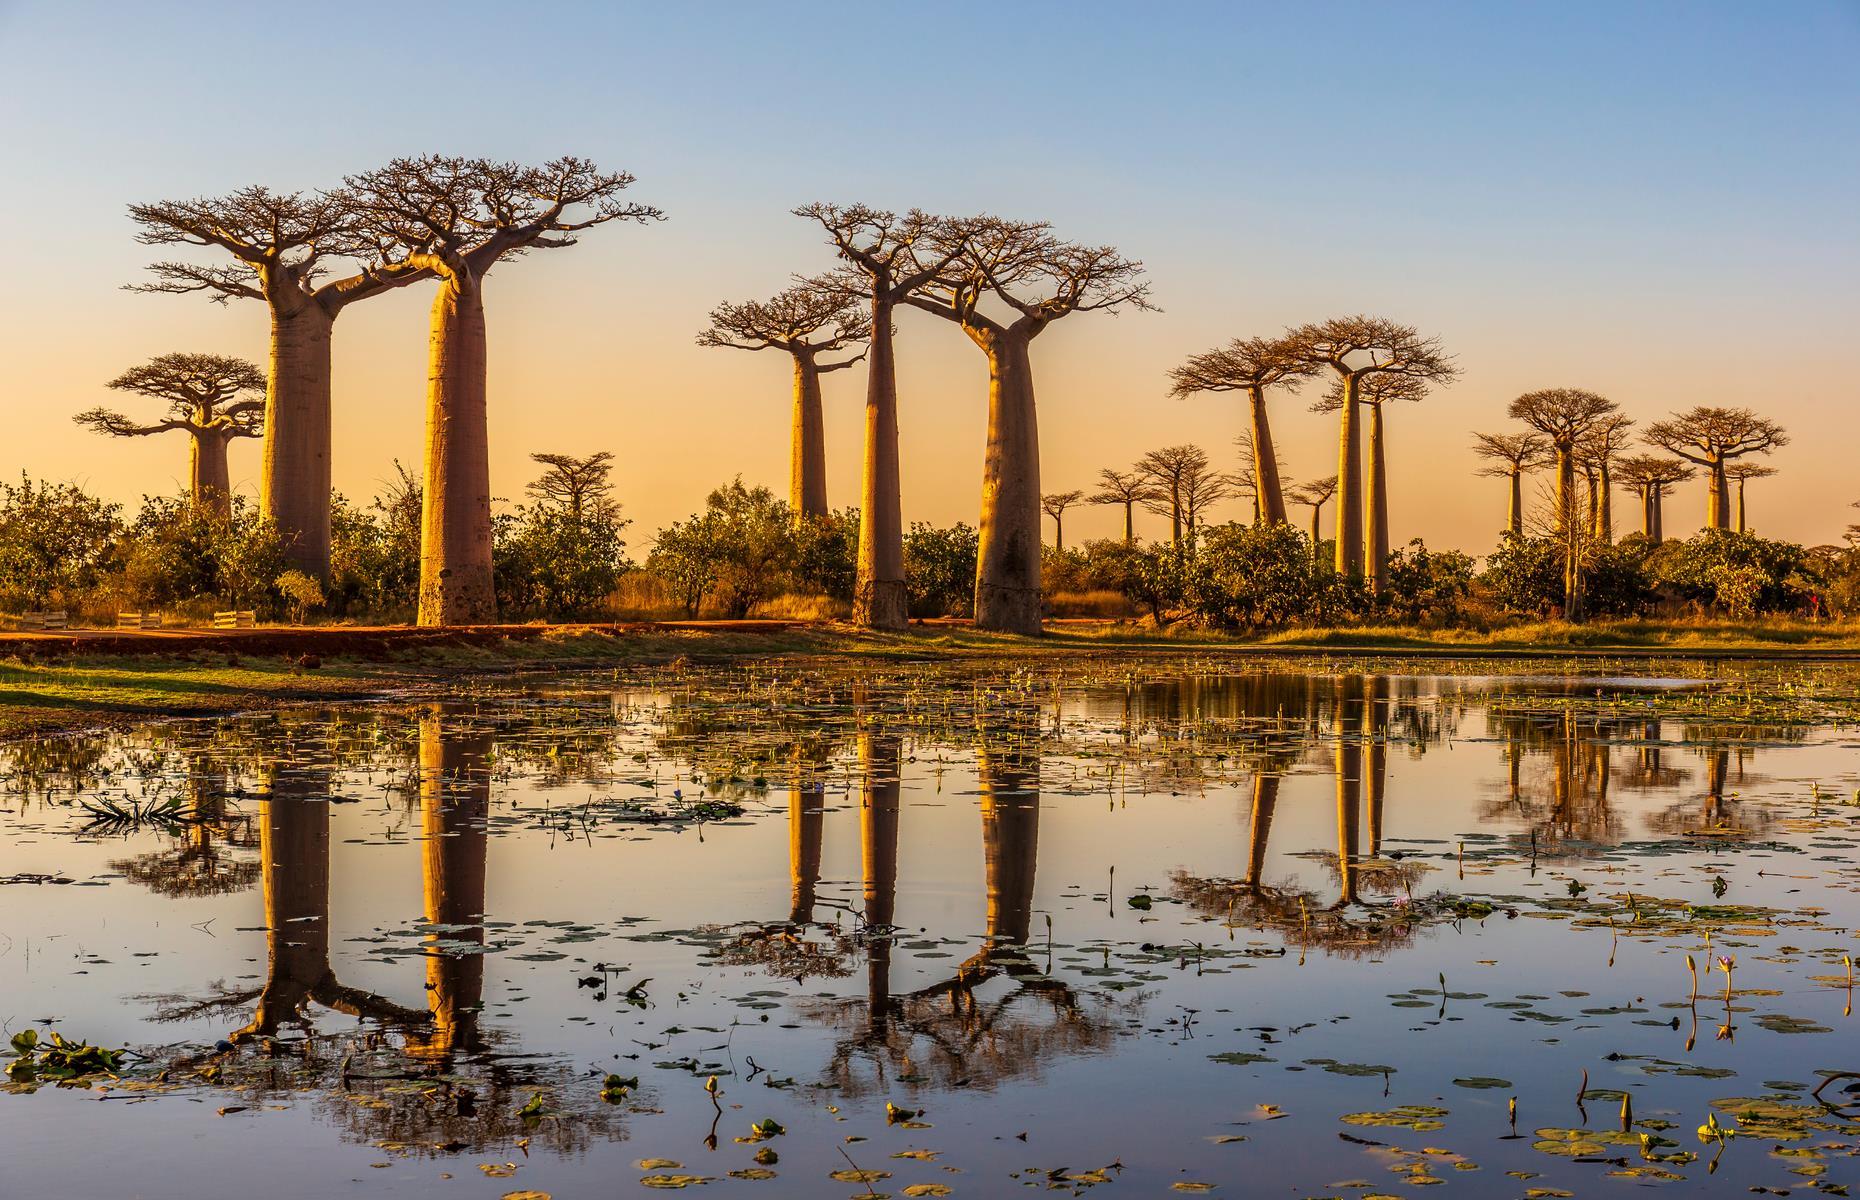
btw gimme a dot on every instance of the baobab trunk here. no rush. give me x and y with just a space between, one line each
1376 535
1659 513
210 484
878 848
1566 530
455 519
1010 845
1348 764
1007 576
1514 518
1265 800
1349 549
455 799
1130 522
806 817
879 599
1269 497
1740 506
807 464
1717 503
1317 511
295 488
1604 504
294 865
1649 506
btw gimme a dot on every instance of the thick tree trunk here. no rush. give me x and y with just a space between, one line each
455 520
1348 764
1604 504
1265 800
1717 503
807 462
1514 518
1175 522
1647 521
210 483
1007 578
1269 496
1010 844
294 491
1376 535
455 799
1659 513
1349 549
878 845
1130 522
1568 531
1740 506
1059 532
879 600
294 865
1316 511
806 816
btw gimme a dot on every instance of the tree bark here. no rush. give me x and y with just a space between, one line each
295 488
1647 521
1376 535
879 599
455 798
210 483
1130 522
1269 496
1348 764
1568 531
1514 519
1316 511
1265 800
1007 579
1349 548
455 520
1659 513
1604 504
1740 506
294 865
1010 844
1717 503
878 847
807 462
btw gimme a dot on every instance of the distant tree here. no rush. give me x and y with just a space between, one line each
1167 472
810 319
888 257
1040 279
211 397
576 486
1249 365
562 554
1374 393
1055 504
1711 438
1648 476
1358 349
1742 473
456 218
1564 416
1598 453
1126 488
1316 493
1511 455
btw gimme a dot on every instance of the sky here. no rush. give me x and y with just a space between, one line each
1654 201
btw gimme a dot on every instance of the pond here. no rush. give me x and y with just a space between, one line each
1129 926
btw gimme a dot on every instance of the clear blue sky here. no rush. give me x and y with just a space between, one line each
1653 200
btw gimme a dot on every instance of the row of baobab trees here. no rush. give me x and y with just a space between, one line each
450 220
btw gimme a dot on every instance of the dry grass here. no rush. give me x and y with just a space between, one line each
1102 603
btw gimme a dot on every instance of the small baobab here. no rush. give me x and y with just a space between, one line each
1564 416
1712 438
1055 504
811 319
1359 349
1315 494
1126 489
1741 473
571 484
1648 476
890 256
1019 267
1510 456
282 245
1175 475
1249 365
210 397
456 218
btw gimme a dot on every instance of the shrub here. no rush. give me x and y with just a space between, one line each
55 542
939 570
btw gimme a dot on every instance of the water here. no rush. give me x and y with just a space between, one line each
1128 925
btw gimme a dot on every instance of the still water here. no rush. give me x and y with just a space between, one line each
1130 927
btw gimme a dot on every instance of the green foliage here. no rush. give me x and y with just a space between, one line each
939 570
1256 576
374 552
1430 585
55 542
300 592
176 551
740 551
826 554
1740 574
551 562
1525 575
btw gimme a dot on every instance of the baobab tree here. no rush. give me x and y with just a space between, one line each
1511 455
211 397
1648 476
1170 474
1055 504
456 218
888 257
1126 488
1039 279
1564 416
810 319
1358 349
573 485
1375 391
1249 365
1742 473
1711 438
282 245
1316 493
1599 451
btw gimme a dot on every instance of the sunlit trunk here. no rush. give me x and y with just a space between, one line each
1740 507
879 599
1349 549
1717 501
1659 512
807 460
1604 503
455 521
1269 495
1007 579
455 802
294 491
1376 535
294 864
1514 518
1348 763
1317 511
1375 718
878 845
1569 532
1265 801
1130 522
210 479
1010 843
806 816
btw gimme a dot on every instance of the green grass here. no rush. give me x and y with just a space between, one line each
44 697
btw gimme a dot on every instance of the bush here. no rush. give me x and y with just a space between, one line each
176 551
1428 585
55 543
939 570
1255 576
1740 574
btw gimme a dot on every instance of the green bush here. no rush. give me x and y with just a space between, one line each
939 570
56 543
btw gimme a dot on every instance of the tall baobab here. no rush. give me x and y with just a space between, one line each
1126 488
1564 416
1357 349
1039 279
282 245
457 218
891 256
1649 475
1054 505
1316 493
805 321
1600 450
1711 438
1249 365
1375 391
210 396
1742 473
1511 455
